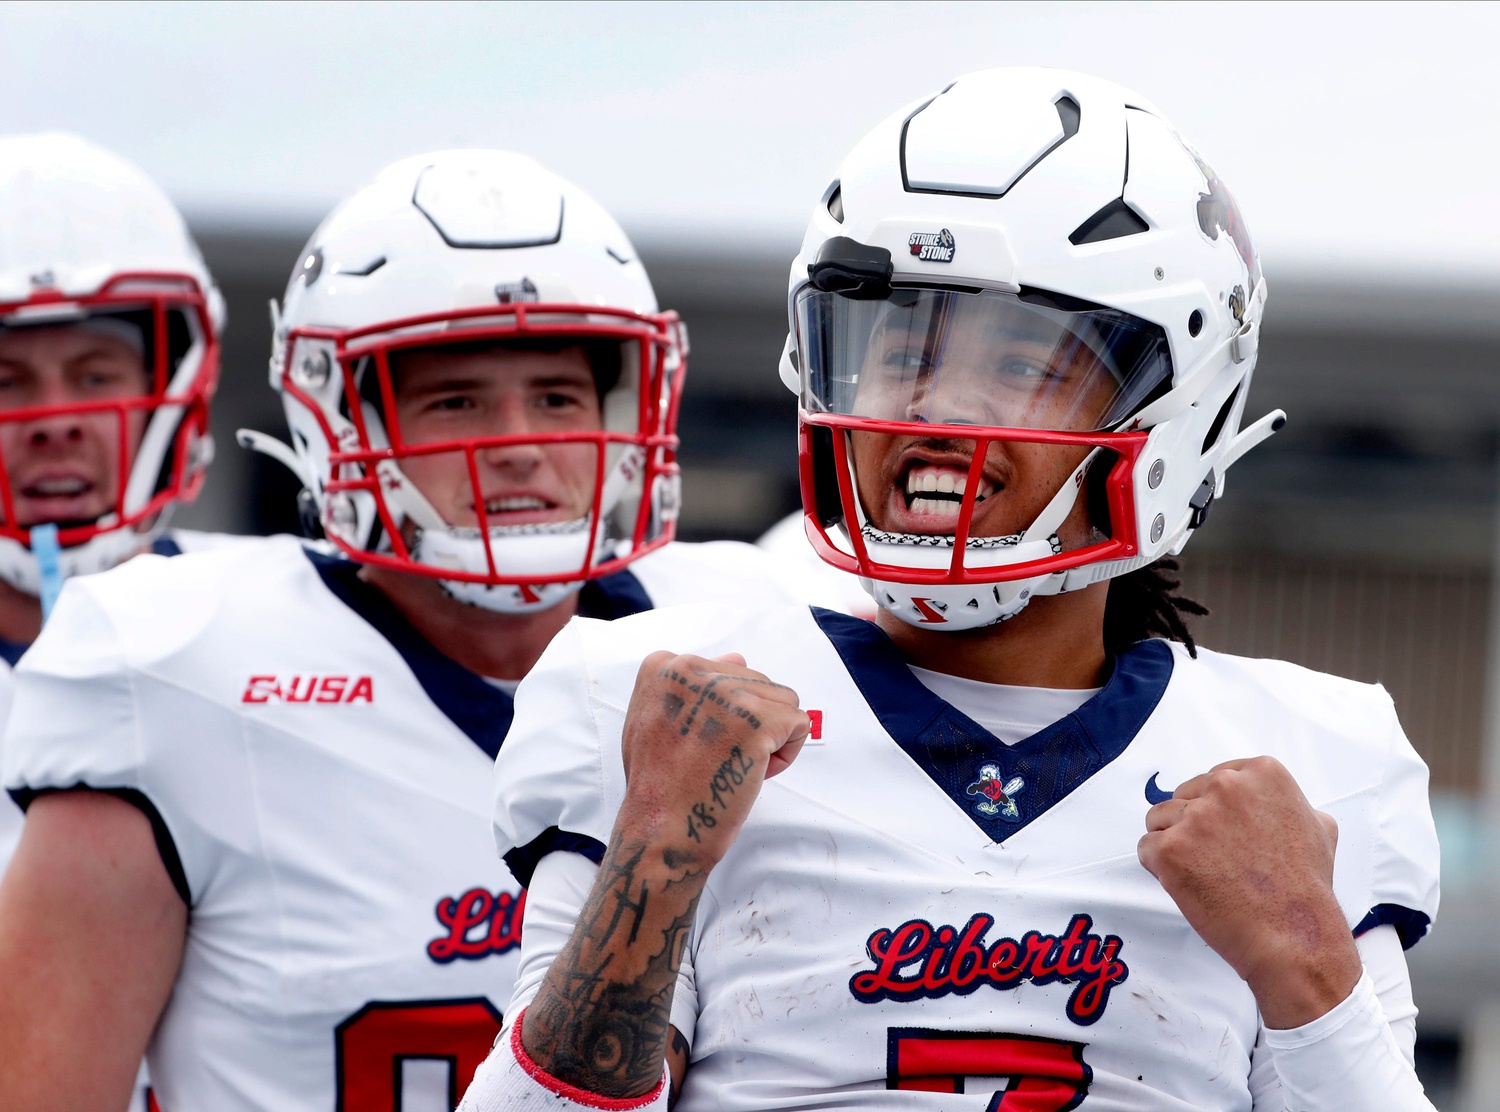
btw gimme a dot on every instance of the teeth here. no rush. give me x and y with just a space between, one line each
59 486
934 480
935 507
508 505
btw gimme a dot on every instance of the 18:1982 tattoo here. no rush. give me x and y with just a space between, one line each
726 780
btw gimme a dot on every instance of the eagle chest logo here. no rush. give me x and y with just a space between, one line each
996 800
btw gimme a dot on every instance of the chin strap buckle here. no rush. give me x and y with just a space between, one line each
1202 501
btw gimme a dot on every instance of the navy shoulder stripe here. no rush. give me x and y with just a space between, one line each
523 860
1410 925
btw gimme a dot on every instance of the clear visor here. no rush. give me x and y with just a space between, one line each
976 358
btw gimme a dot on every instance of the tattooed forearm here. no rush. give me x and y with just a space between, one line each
602 1018
726 780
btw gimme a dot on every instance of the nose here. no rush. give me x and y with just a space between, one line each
946 399
59 428
511 418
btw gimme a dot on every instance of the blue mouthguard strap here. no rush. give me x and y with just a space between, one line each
48 555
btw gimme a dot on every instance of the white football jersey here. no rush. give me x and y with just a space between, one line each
915 910
320 779
175 542
172 543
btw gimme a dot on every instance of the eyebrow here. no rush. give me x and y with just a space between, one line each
581 380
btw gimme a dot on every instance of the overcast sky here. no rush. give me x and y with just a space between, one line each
1358 138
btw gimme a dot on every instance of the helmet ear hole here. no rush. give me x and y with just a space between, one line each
1219 419
1096 492
1195 323
828 507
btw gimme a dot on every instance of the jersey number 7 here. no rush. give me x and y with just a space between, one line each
1039 1075
371 1045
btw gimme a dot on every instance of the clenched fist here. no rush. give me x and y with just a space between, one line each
1249 863
701 736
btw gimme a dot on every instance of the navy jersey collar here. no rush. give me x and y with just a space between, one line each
613 596
478 708
11 651
1001 788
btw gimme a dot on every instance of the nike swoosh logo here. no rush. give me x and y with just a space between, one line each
1155 794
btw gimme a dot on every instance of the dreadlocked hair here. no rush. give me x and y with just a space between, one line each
1144 603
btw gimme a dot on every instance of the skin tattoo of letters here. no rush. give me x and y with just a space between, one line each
603 1019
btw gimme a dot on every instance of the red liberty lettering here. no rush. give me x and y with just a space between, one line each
1039 947
892 949
969 959
1089 998
479 924
815 725
918 960
1071 960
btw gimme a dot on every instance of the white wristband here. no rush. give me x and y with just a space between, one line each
510 1081
1346 1061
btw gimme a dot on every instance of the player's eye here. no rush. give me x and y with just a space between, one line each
101 376
904 358
1025 369
450 403
559 400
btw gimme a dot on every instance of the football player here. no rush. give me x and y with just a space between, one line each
109 353
299 904
1027 846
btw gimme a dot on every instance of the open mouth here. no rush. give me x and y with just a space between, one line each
56 488
516 504
937 492
529 508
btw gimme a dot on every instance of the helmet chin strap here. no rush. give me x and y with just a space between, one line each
954 607
543 548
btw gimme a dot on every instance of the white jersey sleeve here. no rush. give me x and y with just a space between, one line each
564 794
75 723
1404 866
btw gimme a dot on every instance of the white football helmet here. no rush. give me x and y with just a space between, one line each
1029 257
87 238
452 248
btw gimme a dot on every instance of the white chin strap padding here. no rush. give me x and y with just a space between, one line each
521 550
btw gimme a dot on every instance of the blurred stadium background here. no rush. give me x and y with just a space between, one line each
1362 540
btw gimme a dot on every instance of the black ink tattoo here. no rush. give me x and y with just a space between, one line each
602 1019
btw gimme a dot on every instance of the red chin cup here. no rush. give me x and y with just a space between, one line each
353 460
834 429
158 293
